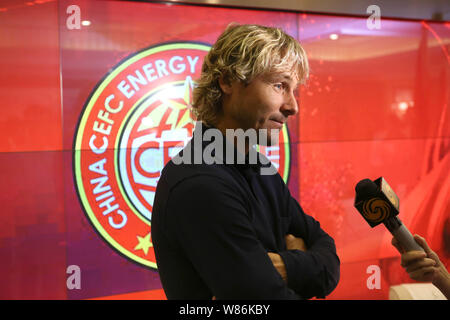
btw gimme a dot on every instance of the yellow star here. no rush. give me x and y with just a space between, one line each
177 107
144 243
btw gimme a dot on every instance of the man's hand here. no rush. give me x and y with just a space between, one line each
425 266
278 263
292 243
420 266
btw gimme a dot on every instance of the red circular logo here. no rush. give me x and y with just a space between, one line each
134 122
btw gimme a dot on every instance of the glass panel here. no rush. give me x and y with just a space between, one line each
417 171
90 89
388 83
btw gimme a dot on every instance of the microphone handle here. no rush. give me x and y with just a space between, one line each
402 234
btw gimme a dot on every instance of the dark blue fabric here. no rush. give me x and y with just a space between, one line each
212 226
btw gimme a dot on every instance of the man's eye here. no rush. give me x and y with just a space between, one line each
278 86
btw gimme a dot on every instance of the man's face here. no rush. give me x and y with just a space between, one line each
265 103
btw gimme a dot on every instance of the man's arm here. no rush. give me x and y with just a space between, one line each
313 272
292 243
215 232
424 266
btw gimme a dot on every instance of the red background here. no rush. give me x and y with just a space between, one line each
350 126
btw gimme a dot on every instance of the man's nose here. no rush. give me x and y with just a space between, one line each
290 106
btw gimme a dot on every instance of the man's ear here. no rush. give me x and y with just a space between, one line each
225 85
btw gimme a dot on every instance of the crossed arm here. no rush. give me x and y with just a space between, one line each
292 243
224 248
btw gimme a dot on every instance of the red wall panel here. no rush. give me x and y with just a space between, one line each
29 62
376 104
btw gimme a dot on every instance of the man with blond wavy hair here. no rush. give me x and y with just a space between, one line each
222 229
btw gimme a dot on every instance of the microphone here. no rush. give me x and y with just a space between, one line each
378 203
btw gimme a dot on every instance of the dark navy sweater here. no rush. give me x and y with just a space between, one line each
213 224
